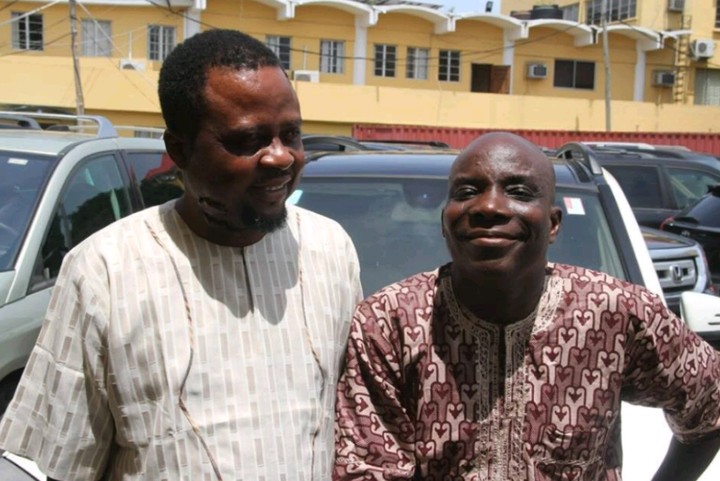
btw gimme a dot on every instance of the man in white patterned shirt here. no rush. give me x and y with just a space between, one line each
199 340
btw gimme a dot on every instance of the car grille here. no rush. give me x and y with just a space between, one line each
676 275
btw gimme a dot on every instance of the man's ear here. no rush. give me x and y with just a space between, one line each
176 148
555 221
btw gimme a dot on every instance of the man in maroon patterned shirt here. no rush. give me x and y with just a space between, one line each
502 366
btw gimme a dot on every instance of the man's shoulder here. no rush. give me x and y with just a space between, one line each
121 234
321 227
420 286
581 280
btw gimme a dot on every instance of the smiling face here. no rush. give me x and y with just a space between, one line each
500 215
246 158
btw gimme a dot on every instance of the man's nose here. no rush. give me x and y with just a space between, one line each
277 155
492 202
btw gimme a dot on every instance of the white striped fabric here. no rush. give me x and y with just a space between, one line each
266 327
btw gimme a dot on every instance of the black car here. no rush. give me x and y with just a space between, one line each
701 222
390 203
658 182
343 143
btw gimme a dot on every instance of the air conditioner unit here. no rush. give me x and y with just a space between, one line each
129 64
702 48
537 70
663 78
676 5
306 75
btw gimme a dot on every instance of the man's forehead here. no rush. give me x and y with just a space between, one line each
509 153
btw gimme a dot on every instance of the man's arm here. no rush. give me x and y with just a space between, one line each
374 437
686 462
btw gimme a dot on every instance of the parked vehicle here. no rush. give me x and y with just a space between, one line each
342 143
680 264
390 203
57 188
658 182
701 222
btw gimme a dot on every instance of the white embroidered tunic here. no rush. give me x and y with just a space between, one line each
146 316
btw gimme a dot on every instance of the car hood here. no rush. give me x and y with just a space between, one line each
657 239
6 279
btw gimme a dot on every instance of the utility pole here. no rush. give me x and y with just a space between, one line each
606 61
79 100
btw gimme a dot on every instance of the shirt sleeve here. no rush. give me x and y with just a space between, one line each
374 435
671 367
59 416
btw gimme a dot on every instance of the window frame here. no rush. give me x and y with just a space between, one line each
332 56
165 34
385 62
281 45
449 65
573 80
417 68
24 25
618 10
93 47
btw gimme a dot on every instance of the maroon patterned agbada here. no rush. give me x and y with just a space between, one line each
431 392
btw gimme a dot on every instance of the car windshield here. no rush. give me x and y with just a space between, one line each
395 225
22 177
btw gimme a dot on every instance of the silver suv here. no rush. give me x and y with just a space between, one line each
680 264
57 187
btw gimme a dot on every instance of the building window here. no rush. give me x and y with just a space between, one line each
96 38
161 40
27 31
449 68
417 63
385 60
717 16
574 74
707 86
617 10
332 56
281 47
571 12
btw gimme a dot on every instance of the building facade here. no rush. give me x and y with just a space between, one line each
389 62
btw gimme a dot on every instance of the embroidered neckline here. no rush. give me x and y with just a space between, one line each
540 316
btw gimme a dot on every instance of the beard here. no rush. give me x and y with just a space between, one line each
252 220
265 224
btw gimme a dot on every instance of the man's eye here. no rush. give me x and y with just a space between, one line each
247 146
291 137
463 193
522 192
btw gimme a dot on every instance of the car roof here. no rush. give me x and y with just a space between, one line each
617 153
39 141
419 164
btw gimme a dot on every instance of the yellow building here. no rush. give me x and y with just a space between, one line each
386 61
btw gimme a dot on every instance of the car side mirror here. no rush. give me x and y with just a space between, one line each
701 312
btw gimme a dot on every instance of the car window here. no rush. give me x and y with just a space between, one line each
93 197
706 212
641 184
156 175
395 225
22 178
688 185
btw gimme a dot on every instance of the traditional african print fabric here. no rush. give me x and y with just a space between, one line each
260 340
432 392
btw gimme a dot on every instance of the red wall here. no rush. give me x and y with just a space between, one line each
460 137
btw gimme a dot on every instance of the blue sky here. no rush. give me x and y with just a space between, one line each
467 5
